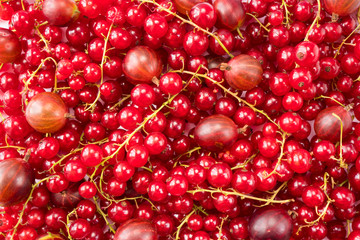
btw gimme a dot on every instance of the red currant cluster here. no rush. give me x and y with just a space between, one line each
179 119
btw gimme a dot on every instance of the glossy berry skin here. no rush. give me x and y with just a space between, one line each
57 183
265 181
243 72
343 197
243 181
141 64
155 142
215 132
230 14
143 95
74 171
21 21
226 37
136 229
306 54
156 25
328 127
303 11
195 174
270 223
10 46
120 38
279 84
313 196
219 175
341 7
79 229
268 147
195 43
300 78
292 101
279 36
203 15
184 6
16 182
91 155
177 185
170 83
60 12
46 112
300 160
137 156
354 235
129 117
290 122
324 150
157 191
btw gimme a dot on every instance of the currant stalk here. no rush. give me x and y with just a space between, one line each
103 215
275 193
190 23
342 163
287 13
243 196
235 95
165 104
262 25
25 204
182 223
316 20
103 58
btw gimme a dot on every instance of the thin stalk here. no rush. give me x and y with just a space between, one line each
190 23
235 95
106 40
243 196
25 204
317 18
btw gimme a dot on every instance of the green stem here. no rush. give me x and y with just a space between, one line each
103 215
190 23
25 204
239 194
106 40
317 18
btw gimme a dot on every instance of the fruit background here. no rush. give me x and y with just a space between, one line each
179 119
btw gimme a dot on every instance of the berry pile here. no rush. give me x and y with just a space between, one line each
180 119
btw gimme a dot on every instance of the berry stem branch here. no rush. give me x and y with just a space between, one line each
103 58
51 170
317 18
188 153
345 40
120 102
284 135
46 42
33 74
275 193
220 228
287 13
243 196
136 130
262 25
103 215
25 204
183 221
243 165
322 96
342 164
142 125
68 222
190 23
235 95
